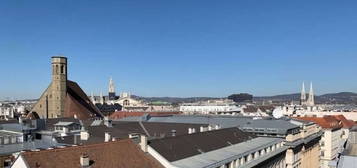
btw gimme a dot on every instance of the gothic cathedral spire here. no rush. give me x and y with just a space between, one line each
303 95
311 100
111 89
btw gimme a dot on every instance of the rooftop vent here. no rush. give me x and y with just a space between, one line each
173 133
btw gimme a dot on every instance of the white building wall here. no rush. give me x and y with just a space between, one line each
20 163
207 109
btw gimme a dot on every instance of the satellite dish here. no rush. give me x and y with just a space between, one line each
277 113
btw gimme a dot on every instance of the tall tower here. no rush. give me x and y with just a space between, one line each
303 95
311 100
111 89
101 97
92 98
58 90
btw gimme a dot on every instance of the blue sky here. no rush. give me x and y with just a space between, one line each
180 48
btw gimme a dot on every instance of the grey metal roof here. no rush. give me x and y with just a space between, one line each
269 126
227 154
280 125
61 123
15 127
347 162
31 145
4 133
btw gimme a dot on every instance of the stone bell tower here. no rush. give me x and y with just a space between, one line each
63 98
58 91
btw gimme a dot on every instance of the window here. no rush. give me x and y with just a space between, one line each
38 136
7 163
19 139
62 69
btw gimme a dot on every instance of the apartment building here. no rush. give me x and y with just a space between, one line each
331 140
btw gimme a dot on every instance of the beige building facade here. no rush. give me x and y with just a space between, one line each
304 151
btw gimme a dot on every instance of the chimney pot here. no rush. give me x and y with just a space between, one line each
84 135
144 143
84 160
108 137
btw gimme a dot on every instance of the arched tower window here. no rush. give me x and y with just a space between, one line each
56 69
62 69
126 103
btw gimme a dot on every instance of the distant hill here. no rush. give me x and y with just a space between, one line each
331 98
175 99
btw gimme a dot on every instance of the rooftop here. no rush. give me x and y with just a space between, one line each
232 152
184 146
281 126
121 130
123 153
326 122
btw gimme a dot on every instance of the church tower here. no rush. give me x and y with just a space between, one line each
311 100
58 89
63 98
303 95
111 89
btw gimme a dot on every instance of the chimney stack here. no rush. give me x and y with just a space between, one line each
144 143
84 134
84 160
107 122
108 137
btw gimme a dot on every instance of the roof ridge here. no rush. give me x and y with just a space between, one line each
77 146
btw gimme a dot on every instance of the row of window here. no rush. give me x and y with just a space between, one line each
5 140
55 69
252 156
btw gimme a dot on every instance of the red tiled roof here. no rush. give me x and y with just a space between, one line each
327 122
78 103
123 114
346 123
123 154
251 109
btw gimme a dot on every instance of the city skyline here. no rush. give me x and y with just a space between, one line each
180 49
